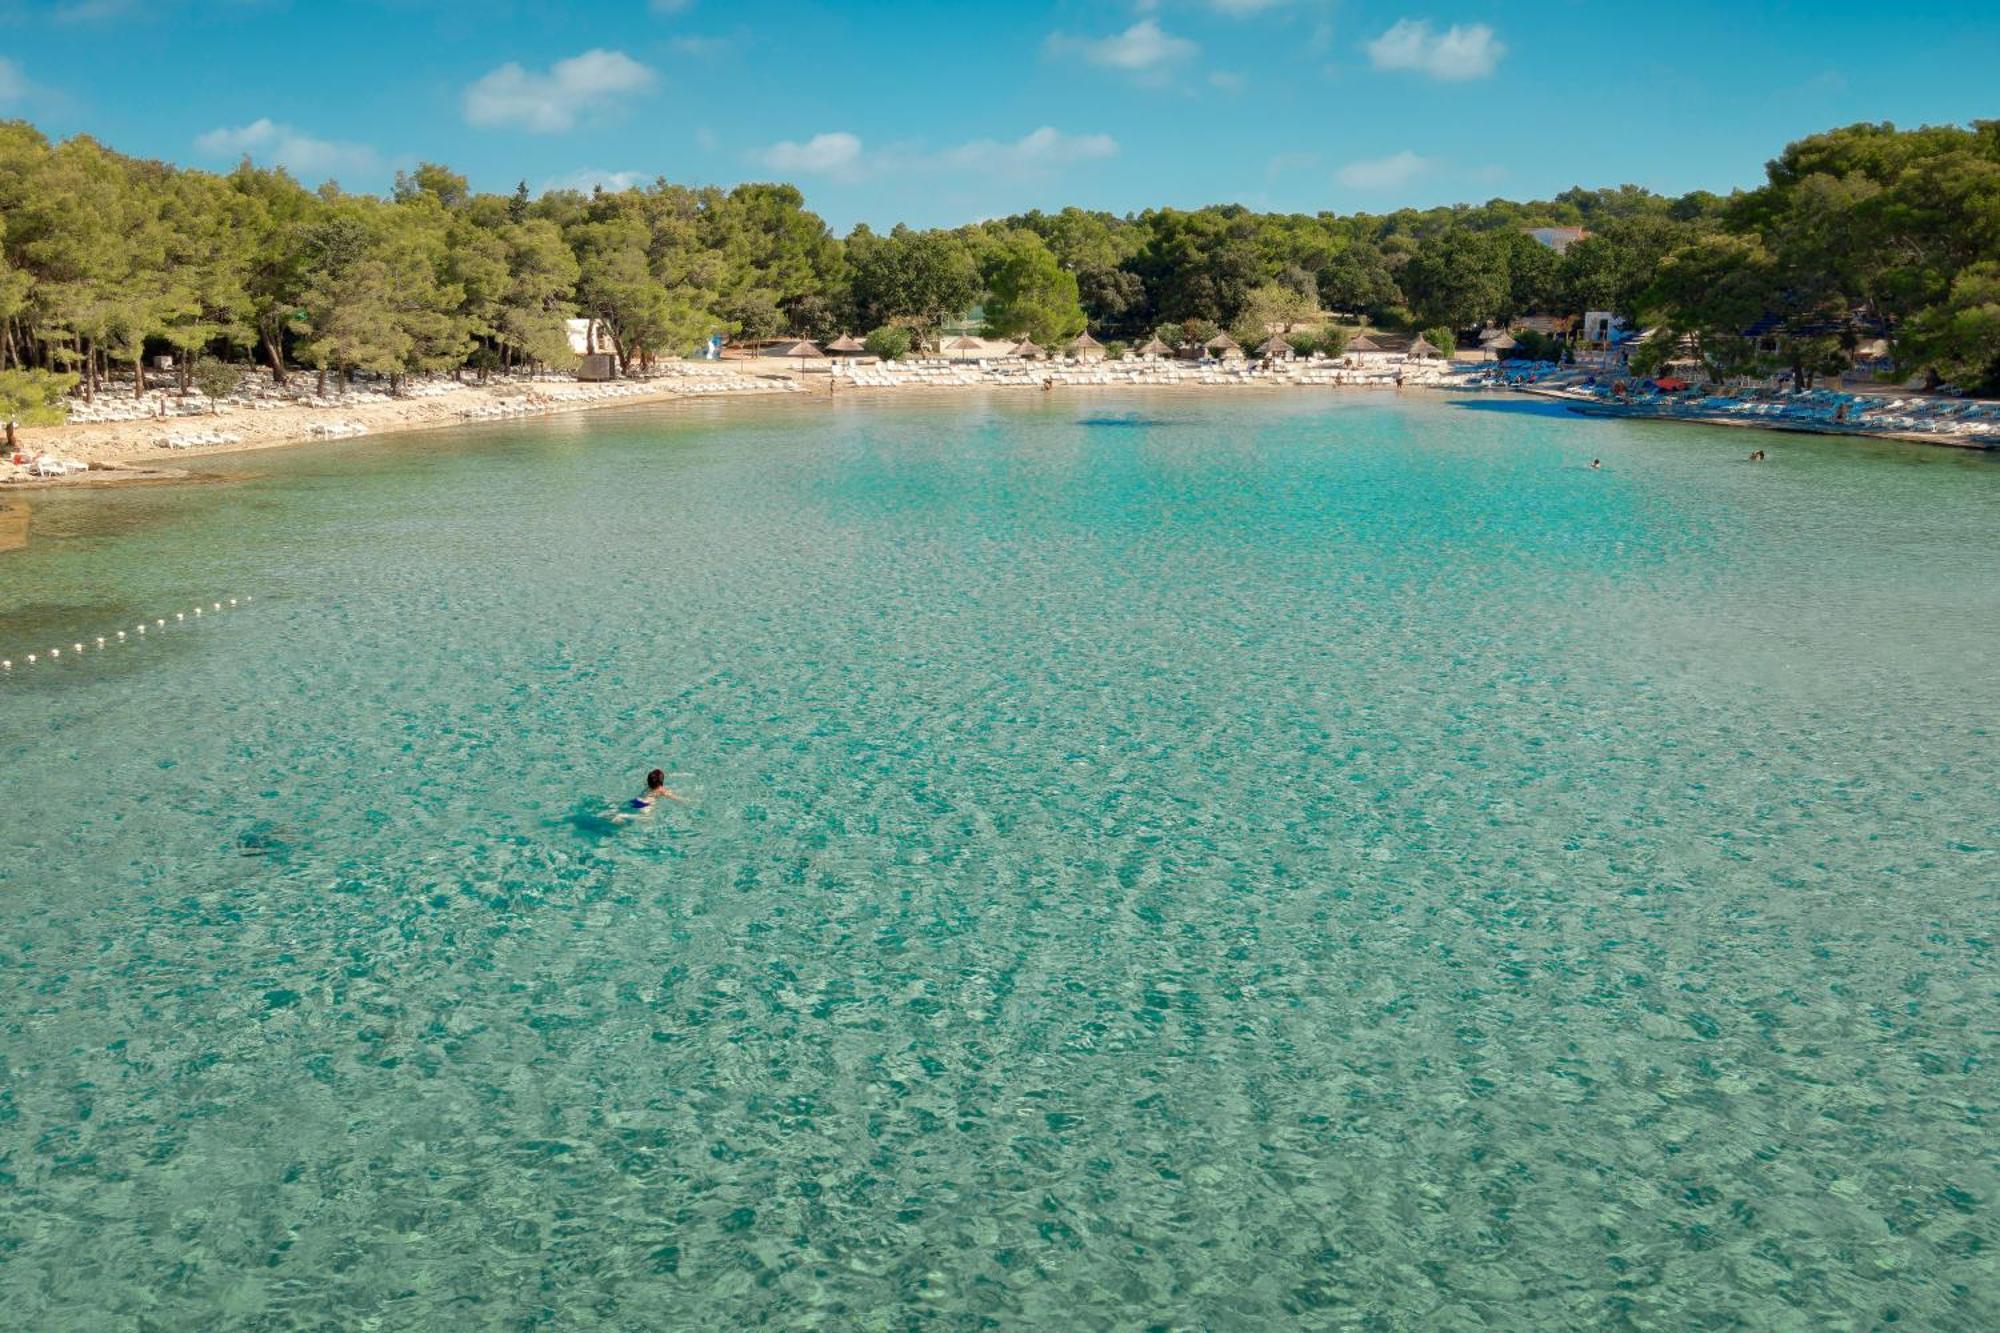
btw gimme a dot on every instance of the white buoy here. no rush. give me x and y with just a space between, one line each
197 610
180 615
31 659
100 641
55 652
121 634
160 623
79 647
6 665
232 601
217 606
142 629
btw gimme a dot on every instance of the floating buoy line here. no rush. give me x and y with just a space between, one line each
104 642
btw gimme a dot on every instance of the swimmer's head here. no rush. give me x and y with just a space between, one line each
656 778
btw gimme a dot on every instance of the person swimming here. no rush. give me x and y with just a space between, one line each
656 791
1596 465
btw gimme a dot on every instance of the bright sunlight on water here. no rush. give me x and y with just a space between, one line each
1149 861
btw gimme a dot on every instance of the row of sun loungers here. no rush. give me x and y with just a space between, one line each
196 439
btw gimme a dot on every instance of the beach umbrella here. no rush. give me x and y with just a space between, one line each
1422 347
1028 350
1498 341
1156 348
1277 349
846 345
1221 345
1361 342
964 344
1086 348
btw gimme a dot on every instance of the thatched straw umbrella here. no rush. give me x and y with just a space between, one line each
1499 341
1422 348
846 345
1156 348
1361 342
1029 350
1086 348
1221 345
964 344
1277 349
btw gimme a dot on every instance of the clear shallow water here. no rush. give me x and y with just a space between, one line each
1270 862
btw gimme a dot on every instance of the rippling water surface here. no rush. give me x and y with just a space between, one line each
1245 864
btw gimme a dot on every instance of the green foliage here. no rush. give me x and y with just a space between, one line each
1442 338
105 259
1459 280
1272 308
1532 346
34 397
1030 295
891 342
216 379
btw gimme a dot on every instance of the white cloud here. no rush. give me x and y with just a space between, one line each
1453 55
13 83
280 145
1140 48
591 178
841 156
553 101
1384 173
836 154
1042 150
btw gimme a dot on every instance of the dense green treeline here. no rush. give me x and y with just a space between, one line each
105 259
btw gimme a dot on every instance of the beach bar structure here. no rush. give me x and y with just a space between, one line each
597 349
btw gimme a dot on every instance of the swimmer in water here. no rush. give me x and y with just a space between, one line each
1596 465
656 791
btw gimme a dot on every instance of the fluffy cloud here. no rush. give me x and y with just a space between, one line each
590 178
13 83
1144 47
553 101
1384 173
1455 54
281 145
836 154
841 156
1042 150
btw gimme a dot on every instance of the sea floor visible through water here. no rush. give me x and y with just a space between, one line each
1148 862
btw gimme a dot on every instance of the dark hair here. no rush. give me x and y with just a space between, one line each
656 778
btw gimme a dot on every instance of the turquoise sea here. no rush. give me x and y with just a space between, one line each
1150 862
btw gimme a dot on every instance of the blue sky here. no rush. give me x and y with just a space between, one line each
938 113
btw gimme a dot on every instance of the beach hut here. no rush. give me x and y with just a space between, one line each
1155 349
1086 348
1421 349
1276 349
845 345
1222 347
962 344
1028 350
